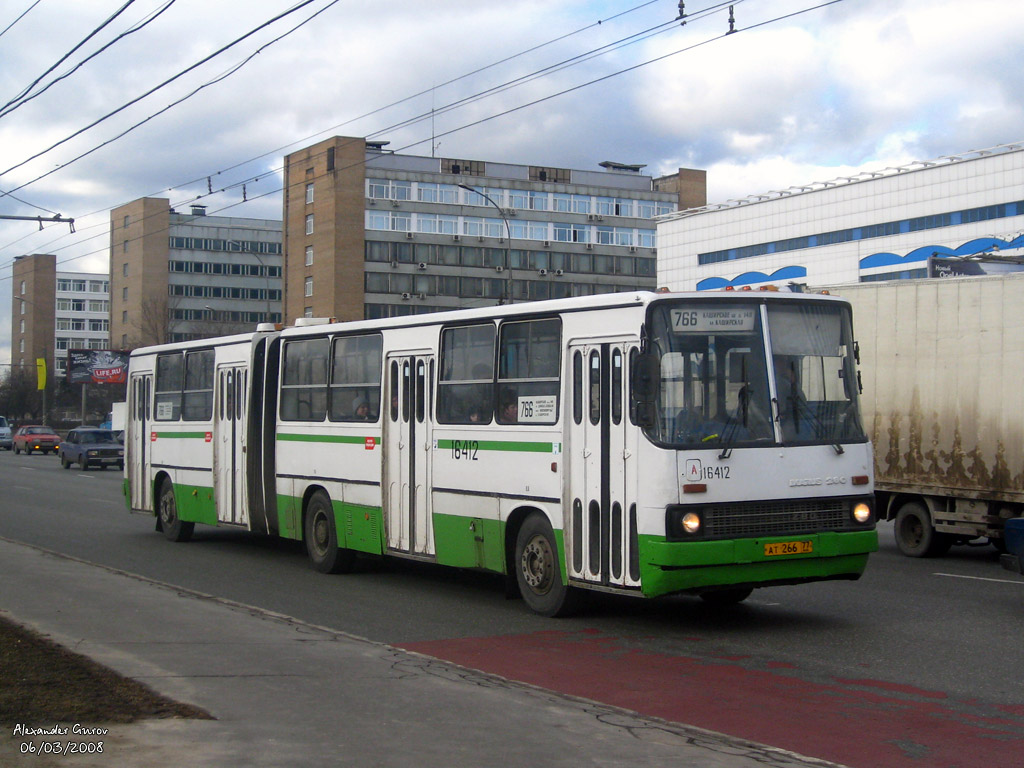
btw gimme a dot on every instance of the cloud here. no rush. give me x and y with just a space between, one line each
854 86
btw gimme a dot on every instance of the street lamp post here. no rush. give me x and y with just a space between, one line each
508 239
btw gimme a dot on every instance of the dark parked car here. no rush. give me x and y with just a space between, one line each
1013 537
91 447
34 437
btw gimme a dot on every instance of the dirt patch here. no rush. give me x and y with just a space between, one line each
42 683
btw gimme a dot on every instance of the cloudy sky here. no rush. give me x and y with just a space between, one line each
210 95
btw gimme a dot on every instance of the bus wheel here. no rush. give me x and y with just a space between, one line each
174 528
538 571
322 537
915 535
726 596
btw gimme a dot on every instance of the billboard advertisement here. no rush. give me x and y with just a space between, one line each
97 366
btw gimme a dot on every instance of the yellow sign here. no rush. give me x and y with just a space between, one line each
40 373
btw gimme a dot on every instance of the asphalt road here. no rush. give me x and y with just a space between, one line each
918 663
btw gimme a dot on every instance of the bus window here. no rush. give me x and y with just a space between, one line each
169 369
355 378
406 392
304 383
529 361
197 404
595 387
394 390
577 389
465 389
421 374
616 386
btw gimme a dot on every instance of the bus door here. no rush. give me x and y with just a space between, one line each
229 444
136 438
601 523
407 452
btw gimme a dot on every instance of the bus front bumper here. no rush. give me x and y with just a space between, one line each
694 566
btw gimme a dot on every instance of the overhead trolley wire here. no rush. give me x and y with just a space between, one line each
20 17
24 97
67 55
156 88
577 87
278 150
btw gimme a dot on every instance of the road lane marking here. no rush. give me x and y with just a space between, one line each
979 578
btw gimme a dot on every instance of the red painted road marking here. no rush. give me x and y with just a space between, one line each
859 723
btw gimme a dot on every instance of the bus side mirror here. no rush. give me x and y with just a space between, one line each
645 383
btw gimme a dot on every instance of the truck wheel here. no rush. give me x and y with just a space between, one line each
322 537
173 527
538 571
915 535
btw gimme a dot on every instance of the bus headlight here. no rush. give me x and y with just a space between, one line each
691 523
683 523
862 512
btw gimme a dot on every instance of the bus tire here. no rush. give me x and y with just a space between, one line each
173 527
321 537
731 596
915 535
538 571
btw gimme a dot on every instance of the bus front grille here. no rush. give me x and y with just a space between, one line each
764 518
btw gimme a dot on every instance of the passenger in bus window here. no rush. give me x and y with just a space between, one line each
509 411
361 409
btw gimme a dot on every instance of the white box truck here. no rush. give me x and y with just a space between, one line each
942 365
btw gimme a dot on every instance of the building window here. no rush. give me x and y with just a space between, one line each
126 222
309 255
23 307
21 345
309 193
124 293
307 312
124 316
124 269
309 224
309 286
22 287
22 327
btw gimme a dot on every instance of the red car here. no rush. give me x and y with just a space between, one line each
36 438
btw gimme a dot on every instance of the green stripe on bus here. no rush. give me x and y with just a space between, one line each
502 445
355 440
188 435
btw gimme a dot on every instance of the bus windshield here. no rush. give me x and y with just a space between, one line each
716 388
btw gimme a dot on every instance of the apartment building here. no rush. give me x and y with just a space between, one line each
179 276
54 311
371 233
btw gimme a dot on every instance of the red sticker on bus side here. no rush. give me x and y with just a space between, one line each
152 437
370 442
209 437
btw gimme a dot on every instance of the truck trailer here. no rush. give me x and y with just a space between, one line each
942 367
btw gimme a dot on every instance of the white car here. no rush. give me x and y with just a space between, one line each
6 441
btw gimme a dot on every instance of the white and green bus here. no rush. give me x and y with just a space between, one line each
640 443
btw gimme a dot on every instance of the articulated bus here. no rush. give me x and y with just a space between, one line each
644 444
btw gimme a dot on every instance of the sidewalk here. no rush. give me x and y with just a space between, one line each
286 693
